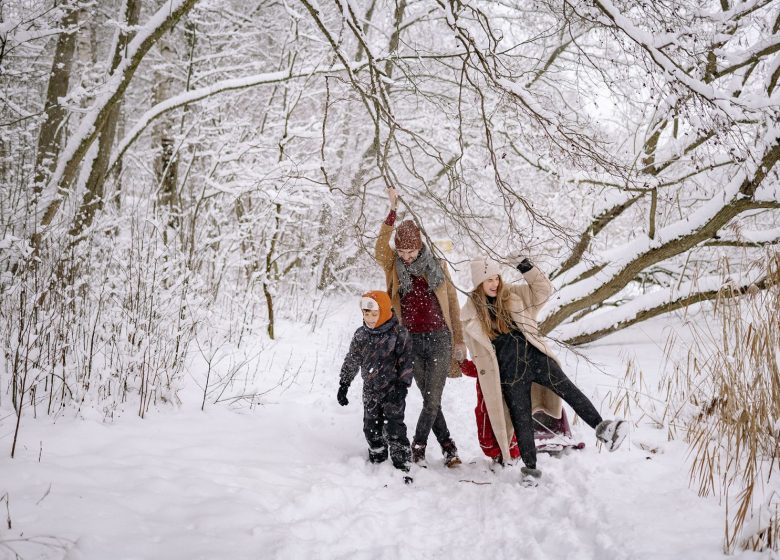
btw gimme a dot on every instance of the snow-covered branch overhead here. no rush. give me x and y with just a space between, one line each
643 307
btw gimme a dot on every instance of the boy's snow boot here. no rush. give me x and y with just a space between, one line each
612 433
530 477
377 454
405 468
450 452
418 453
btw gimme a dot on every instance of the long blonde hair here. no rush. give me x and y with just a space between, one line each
502 323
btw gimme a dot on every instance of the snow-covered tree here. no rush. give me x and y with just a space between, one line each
232 157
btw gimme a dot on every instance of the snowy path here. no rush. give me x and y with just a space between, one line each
289 480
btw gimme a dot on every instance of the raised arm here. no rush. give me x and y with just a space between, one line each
537 290
383 253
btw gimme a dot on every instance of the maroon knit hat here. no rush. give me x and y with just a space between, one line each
407 236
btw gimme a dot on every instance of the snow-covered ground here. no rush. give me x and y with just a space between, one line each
288 477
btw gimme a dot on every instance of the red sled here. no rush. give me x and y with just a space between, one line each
551 435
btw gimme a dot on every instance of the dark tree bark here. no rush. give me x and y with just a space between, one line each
53 127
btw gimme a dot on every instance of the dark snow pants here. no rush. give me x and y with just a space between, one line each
431 364
383 426
533 366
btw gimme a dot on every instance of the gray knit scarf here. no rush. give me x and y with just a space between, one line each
424 265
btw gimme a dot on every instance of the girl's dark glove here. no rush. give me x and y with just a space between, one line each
525 265
519 261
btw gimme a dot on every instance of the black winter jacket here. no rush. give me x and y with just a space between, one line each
383 356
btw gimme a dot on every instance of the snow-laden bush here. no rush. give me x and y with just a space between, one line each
114 322
105 328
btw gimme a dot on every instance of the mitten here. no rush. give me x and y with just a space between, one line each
459 352
525 265
468 368
341 396
519 260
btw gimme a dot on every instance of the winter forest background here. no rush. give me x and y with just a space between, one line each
181 177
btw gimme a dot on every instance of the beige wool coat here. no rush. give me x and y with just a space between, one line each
526 300
446 293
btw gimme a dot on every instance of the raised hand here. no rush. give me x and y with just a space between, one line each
519 259
459 352
392 196
516 257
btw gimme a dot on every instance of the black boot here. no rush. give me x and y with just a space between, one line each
418 453
405 468
531 477
377 454
450 452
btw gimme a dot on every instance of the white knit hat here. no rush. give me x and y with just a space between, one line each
481 270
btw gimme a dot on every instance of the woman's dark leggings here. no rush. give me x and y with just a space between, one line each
516 386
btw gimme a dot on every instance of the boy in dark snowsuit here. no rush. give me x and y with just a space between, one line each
382 350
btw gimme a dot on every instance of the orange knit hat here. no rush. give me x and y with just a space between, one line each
382 301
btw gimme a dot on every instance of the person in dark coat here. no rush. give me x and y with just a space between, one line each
382 351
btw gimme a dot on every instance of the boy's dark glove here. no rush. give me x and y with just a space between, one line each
341 396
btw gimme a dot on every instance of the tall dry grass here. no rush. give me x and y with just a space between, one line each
726 396
720 392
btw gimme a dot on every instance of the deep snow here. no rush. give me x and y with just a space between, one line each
288 477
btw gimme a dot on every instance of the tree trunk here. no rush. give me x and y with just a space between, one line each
94 196
67 169
52 128
165 161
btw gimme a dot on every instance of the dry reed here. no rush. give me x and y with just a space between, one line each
727 395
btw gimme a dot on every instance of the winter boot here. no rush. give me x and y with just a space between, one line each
496 463
377 454
530 477
612 433
418 453
450 452
405 468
